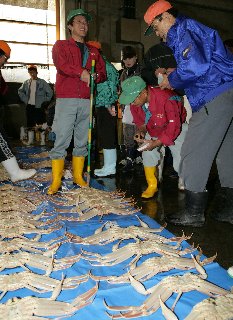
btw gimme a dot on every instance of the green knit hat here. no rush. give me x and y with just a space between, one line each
131 88
78 12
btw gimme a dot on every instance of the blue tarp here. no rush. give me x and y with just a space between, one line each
112 294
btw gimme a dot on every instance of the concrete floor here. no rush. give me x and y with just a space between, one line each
214 237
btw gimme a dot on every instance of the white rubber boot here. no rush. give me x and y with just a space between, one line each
22 133
109 167
181 184
42 138
99 171
161 165
30 138
15 173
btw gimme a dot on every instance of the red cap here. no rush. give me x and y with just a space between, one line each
155 10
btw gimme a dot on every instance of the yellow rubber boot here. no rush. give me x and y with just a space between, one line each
151 181
57 172
78 164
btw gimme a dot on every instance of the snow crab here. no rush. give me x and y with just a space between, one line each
30 245
39 261
138 249
220 308
155 265
90 202
115 232
19 231
38 283
32 308
162 291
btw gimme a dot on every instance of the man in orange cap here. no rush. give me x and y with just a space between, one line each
154 14
205 72
7 159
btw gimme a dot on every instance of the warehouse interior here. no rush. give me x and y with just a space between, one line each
31 28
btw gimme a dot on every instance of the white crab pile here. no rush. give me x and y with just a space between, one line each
80 240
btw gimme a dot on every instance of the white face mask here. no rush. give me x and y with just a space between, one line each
160 78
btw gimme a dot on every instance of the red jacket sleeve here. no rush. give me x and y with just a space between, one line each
138 115
173 110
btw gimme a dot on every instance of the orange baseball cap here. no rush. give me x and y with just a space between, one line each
95 44
153 11
5 47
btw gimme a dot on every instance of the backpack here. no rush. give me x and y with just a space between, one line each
107 91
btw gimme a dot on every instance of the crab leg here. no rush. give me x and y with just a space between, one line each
114 260
85 298
66 262
88 215
57 289
150 306
168 314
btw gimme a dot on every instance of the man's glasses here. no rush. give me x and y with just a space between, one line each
85 23
6 58
154 24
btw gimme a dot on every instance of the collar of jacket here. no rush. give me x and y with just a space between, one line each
172 32
73 42
130 71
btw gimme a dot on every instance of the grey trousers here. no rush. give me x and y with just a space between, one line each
154 157
210 135
71 118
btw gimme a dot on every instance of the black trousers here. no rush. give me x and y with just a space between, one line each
106 128
34 116
5 149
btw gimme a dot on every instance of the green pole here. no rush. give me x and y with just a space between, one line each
90 123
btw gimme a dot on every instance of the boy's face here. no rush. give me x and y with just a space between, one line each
141 98
33 73
130 62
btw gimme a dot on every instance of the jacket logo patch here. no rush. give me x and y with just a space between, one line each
186 51
159 115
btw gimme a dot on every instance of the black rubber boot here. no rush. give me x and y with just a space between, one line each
223 205
129 161
193 212
121 154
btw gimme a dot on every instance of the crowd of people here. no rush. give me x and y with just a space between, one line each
190 69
